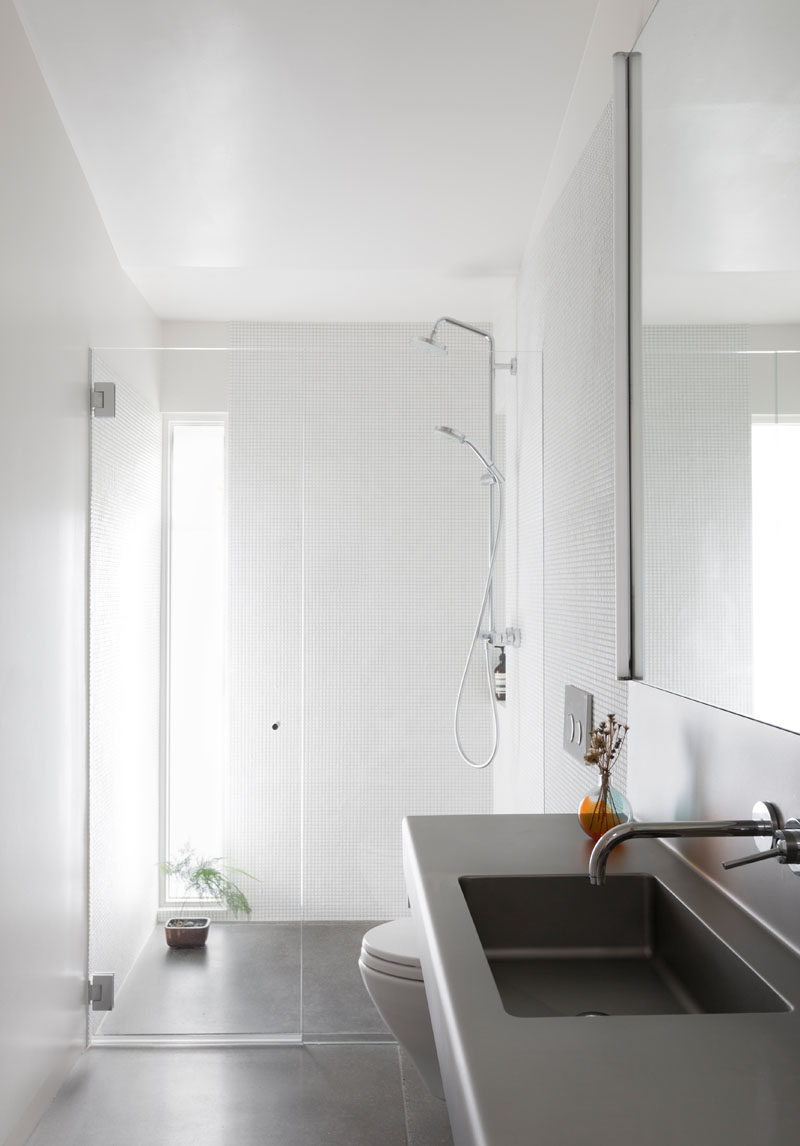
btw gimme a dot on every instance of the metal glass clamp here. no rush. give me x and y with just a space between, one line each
104 400
101 992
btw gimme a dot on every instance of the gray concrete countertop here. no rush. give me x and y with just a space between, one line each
658 1080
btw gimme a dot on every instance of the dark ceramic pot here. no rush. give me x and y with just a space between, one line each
186 932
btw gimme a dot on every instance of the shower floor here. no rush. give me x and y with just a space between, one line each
250 980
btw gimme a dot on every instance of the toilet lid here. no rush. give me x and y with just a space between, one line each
394 942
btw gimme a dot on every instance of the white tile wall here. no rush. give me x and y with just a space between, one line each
358 542
565 440
124 650
265 505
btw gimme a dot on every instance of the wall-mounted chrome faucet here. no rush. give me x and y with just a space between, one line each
766 822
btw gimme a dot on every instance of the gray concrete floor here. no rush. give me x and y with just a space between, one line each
344 1094
250 979
357 1092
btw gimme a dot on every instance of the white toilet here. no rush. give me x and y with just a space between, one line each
390 967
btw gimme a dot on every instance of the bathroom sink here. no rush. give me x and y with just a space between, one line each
557 947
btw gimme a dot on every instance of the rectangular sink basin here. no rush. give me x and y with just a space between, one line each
557 947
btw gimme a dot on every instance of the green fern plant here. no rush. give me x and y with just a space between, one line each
208 879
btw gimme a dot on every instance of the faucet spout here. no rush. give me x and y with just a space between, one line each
668 830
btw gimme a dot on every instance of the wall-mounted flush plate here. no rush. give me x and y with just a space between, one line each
577 721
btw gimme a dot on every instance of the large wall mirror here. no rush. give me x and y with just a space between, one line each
716 396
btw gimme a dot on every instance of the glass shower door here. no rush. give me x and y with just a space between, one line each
350 533
194 737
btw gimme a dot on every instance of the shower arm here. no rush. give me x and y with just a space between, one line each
511 366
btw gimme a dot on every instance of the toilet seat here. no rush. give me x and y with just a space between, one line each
392 949
393 970
395 941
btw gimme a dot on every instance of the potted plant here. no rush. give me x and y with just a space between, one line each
207 879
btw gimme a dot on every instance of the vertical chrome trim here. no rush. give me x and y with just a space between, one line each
622 318
636 471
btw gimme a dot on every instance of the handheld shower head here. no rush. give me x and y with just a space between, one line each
449 432
492 472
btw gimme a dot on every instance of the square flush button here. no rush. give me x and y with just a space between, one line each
577 721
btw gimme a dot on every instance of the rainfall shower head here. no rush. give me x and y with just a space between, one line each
430 345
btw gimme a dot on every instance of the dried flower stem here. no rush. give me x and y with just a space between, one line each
605 745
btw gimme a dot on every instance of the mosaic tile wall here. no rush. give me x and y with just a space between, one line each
565 442
357 556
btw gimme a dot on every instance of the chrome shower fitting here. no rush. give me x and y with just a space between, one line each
492 475
493 479
431 344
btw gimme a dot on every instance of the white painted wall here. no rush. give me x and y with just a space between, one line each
61 290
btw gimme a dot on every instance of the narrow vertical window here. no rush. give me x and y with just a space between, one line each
194 701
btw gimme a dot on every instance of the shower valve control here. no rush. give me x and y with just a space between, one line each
509 638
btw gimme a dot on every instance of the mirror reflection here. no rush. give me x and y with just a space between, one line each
716 402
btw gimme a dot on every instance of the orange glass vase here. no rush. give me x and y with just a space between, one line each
603 808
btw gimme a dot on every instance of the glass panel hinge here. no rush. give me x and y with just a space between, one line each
101 992
104 400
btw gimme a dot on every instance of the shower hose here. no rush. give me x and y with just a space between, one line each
476 636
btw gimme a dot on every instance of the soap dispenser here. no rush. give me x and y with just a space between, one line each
500 675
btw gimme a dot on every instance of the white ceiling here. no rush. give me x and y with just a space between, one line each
295 159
